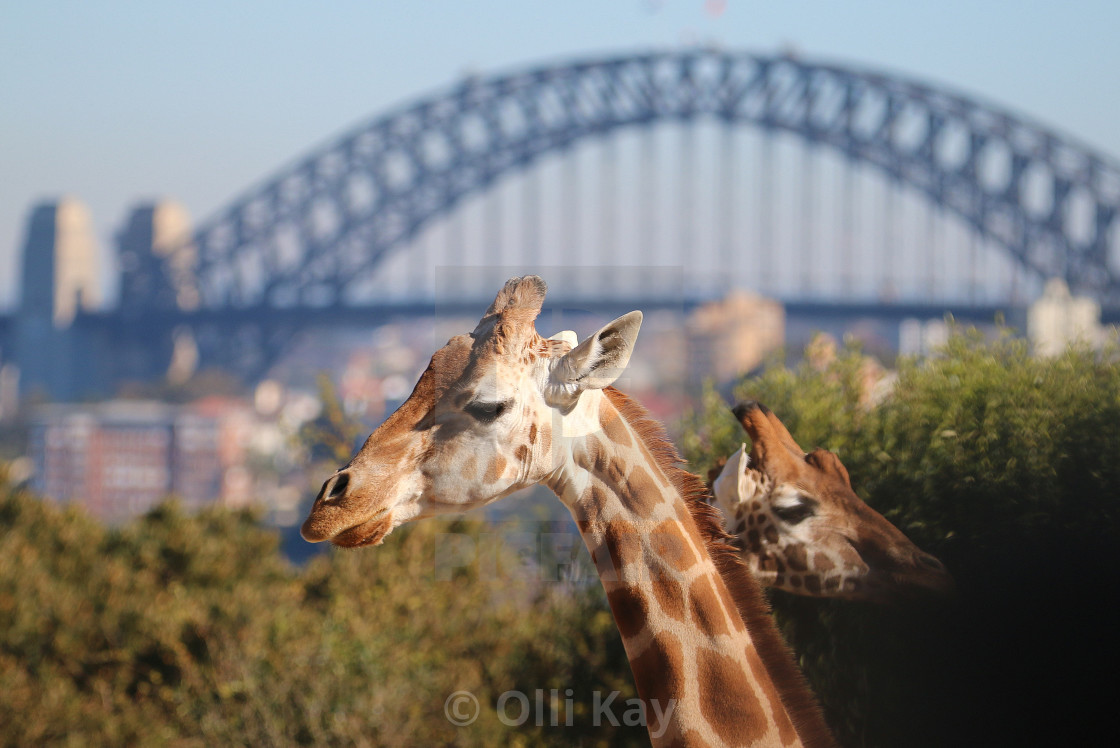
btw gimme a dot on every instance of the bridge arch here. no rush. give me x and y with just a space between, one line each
309 232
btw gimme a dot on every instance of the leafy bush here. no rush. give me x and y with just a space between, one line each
1006 467
194 631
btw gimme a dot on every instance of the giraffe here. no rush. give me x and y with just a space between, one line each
501 409
804 530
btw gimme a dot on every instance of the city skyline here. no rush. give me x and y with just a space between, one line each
104 109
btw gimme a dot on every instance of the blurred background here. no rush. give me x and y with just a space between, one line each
231 235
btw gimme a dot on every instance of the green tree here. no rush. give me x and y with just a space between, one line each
331 435
193 630
1004 466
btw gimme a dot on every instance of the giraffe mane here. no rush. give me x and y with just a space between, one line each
753 608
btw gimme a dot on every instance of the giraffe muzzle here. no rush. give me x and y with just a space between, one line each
337 517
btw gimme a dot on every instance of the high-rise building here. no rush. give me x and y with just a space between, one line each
61 277
61 263
156 258
1059 318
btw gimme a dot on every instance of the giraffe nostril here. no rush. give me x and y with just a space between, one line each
339 486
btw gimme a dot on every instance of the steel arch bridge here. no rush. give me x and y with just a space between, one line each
308 235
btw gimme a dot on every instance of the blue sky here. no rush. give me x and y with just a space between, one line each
115 102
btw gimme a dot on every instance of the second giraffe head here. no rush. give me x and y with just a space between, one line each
802 527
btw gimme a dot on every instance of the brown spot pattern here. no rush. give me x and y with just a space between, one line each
615 428
670 595
623 543
718 676
729 604
668 542
796 557
495 469
603 464
786 732
707 616
823 562
630 610
659 674
642 493
752 540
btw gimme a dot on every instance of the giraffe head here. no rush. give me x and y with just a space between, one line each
480 424
802 526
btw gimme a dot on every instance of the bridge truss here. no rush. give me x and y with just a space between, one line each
314 232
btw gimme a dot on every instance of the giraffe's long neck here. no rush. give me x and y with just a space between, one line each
696 666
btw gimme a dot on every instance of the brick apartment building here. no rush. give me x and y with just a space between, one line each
119 458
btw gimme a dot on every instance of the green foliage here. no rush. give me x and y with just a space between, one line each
193 630
332 434
1004 466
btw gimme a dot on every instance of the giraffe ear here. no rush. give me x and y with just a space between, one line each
727 486
599 360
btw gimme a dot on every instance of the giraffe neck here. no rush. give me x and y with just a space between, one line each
697 668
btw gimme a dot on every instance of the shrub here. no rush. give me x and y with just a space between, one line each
193 630
1004 466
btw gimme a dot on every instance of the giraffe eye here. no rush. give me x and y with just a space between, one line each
796 513
486 412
